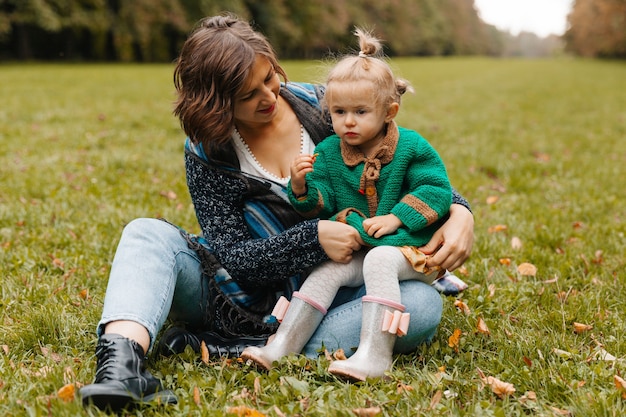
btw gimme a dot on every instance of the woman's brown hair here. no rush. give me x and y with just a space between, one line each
211 70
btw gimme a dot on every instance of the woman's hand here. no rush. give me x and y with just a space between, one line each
453 241
338 240
301 165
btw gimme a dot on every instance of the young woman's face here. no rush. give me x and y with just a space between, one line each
357 118
258 100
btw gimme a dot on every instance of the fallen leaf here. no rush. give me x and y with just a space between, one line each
560 411
505 261
497 228
492 290
516 243
563 354
581 328
196 396
500 388
455 339
243 411
339 355
366 412
620 384
84 294
528 396
527 269
67 392
492 199
170 195
461 306
401 387
528 362
481 326
435 400
204 352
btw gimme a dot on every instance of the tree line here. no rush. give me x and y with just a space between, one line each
153 30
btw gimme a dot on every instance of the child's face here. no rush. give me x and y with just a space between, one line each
357 118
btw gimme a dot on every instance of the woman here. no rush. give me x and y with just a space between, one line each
244 128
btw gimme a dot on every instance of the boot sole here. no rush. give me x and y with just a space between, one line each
119 400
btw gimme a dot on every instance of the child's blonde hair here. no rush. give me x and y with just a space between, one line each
369 64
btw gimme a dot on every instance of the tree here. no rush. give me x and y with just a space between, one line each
597 28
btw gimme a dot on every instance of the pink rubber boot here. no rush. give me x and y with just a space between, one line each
300 322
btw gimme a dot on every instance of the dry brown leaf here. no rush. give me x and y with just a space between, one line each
5 349
516 243
528 396
462 270
527 269
492 290
435 400
581 328
481 326
401 387
505 261
462 307
170 195
492 199
84 293
528 362
204 351
67 392
497 228
620 384
367 412
455 339
500 388
339 355
243 411
327 355
196 396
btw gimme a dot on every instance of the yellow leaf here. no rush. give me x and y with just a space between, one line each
243 411
454 339
204 352
492 199
481 326
66 392
497 228
462 307
619 382
505 261
527 269
581 328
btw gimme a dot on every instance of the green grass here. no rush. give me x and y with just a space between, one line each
84 149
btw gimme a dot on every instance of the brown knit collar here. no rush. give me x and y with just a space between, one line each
353 156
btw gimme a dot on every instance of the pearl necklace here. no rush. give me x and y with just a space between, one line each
256 161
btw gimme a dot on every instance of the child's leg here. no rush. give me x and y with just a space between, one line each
306 310
382 311
324 281
383 267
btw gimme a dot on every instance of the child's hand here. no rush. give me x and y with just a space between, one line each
301 165
381 225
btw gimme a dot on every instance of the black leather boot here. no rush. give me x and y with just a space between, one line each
175 339
121 379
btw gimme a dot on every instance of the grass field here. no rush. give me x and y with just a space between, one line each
537 146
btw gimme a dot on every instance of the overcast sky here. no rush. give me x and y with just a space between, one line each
543 17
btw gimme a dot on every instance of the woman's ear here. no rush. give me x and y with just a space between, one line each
392 111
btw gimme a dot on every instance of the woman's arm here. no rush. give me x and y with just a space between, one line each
218 199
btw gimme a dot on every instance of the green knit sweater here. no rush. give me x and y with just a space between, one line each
405 177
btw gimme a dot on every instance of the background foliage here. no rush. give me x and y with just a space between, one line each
537 146
153 30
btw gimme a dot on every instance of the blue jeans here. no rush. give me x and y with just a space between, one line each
155 276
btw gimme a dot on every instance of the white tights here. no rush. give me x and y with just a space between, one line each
380 268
